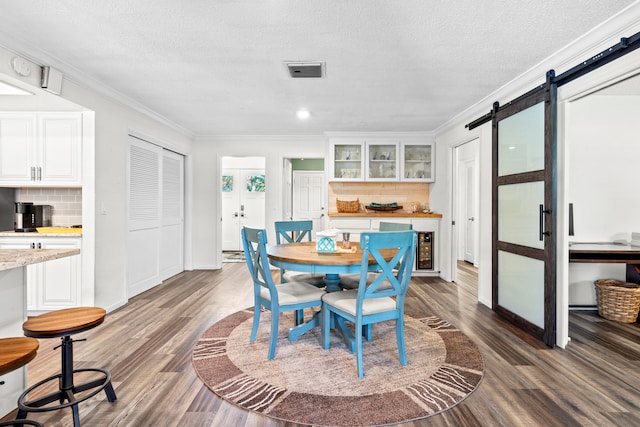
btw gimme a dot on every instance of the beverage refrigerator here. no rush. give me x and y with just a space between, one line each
424 251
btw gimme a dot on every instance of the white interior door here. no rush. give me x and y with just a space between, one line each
308 196
172 229
230 210
469 173
252 200
243 201
155 215
144 165
287 193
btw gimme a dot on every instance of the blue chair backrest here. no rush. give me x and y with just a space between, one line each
254 242
293 231
395 226
371 244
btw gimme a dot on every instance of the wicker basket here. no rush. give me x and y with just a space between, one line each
618 300
352 206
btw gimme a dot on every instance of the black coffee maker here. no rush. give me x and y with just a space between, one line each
30 216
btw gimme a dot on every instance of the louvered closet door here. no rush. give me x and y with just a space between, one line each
172 230
144 168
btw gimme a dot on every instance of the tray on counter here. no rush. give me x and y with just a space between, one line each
383 208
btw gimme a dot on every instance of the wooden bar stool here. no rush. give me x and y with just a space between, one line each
14 354
63 324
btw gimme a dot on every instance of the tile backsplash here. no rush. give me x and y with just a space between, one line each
66 203
405 194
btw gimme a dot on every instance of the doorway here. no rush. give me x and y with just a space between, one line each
306 189
466 206
243 191
466 201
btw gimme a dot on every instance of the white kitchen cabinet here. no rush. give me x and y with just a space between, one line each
417 162
40 149
54 284
382 161
17 136
347 160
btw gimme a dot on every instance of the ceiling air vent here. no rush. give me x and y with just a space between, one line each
300 70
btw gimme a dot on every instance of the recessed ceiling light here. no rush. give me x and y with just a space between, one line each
303 114
8 89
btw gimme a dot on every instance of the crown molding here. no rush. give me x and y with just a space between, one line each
260 138
404 134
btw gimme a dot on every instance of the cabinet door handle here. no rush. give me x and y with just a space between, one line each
39 245
33 245
39 173
33 173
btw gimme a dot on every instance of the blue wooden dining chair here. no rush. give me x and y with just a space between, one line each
293 232
374 303
291 296
350 281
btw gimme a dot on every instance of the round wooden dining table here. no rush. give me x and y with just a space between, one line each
303 256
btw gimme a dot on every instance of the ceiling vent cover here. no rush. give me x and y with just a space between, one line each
301 70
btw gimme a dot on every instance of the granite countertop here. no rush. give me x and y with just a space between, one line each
62 232
392 214
13 258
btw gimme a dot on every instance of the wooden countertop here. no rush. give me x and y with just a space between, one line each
390 214
13 258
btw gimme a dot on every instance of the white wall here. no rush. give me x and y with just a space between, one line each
603 144
207 155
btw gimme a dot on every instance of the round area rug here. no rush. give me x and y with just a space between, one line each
308 385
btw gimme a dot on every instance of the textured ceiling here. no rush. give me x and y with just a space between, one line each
217 67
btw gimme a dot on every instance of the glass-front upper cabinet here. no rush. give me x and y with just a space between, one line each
382 161
417 162
347 161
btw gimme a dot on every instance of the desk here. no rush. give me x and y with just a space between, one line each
608 253
304 257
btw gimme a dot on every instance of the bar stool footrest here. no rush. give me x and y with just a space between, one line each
40 404
17 422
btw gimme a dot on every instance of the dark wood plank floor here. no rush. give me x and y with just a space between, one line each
147 347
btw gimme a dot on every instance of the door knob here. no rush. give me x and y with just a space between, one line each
471 219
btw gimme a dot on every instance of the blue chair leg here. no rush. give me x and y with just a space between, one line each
326 326
275 319
256 321
400 338
359 350
367 331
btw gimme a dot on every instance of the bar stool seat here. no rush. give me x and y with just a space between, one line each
63 324
14 354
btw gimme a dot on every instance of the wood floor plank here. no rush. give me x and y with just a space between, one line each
147 347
